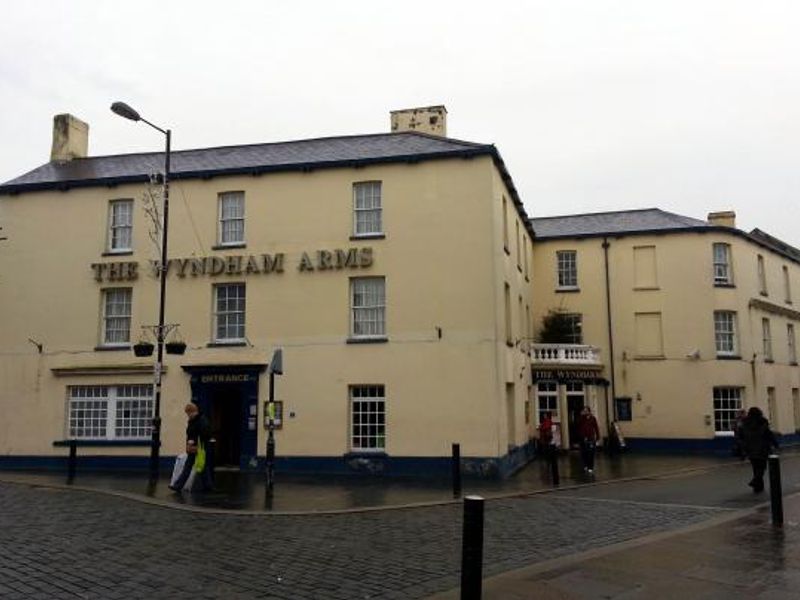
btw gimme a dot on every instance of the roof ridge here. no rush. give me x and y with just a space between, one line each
607 212
305 140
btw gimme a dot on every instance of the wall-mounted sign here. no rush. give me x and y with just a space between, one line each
567 375
225 378
261 264
277 418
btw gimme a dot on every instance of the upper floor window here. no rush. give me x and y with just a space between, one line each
573 328
518 248
725 333
116 324
120 225
505 224
229 312
367 307
367 208
567 265
723 273
231 218
787 288
767 338
762 276
792 343
525 253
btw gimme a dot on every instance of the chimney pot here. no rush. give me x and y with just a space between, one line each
70 138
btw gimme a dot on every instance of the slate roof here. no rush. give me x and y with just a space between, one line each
612 223
775 244
317 153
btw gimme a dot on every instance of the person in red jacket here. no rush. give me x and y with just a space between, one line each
588 435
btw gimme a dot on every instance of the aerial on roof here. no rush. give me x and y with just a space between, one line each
623 221
249 159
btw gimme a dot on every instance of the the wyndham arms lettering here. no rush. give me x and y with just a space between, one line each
264 264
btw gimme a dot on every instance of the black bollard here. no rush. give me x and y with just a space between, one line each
775 490
72 462
455 464
472 549
554 465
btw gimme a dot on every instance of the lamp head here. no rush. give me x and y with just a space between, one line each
276 364
123 110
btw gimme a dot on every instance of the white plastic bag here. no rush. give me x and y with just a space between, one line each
180 463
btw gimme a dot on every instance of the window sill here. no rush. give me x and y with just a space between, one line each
646 289
728 357
368 340
723 434
567 290
102 443
659 357
722 284
367 236
117 253
223 344
110 348
229 246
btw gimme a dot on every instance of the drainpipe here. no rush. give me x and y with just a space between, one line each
610 337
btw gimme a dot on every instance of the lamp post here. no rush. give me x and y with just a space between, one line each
123 110
275 368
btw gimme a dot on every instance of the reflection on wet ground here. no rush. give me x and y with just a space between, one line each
246 491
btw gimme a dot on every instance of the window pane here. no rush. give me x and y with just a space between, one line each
230 312
367 207
117 316
368 307
368 424
120 224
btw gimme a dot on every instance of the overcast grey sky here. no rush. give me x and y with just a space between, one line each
691 106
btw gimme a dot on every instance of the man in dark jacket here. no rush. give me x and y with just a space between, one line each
588 434
757 443
198 432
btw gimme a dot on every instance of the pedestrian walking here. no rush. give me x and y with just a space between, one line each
588 435
757 442
549 438
198 433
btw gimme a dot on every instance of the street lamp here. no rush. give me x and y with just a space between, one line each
275 368
123 110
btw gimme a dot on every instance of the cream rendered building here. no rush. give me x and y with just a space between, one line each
676 324
392 269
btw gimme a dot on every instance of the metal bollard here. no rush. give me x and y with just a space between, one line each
554 466
472 549
72 461
775 490
455 464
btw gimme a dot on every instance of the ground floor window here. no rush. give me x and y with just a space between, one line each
110 412
368 418
547 396
727 404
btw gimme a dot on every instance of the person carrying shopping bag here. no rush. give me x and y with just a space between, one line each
198 433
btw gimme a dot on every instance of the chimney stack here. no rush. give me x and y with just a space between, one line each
70 138
426 119
725 218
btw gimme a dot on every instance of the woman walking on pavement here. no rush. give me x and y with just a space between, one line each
588 434
757 443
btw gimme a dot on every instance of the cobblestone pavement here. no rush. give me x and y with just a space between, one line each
69 544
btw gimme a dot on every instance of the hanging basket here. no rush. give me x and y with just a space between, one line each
143 349
175 347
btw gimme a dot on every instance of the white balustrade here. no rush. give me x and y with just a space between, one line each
577 354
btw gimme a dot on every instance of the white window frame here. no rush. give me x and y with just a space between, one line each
108 317
217 313
371 308
223 219
762 275
113 246
792 342
723 272
546 399
367 208
112 412
787 285
721 333
367 418
766 337
567 269
726 403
